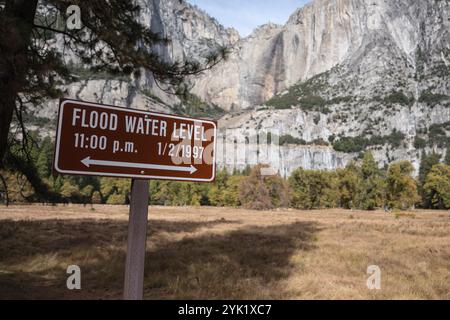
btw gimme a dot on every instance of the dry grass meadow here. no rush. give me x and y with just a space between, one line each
215 253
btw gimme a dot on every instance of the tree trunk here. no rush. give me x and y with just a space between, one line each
16 26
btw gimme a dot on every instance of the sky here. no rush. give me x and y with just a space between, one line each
246 15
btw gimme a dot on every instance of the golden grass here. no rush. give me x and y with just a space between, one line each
224 253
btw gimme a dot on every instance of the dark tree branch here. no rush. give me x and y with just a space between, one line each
5 186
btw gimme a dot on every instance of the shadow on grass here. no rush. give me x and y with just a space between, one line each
246 263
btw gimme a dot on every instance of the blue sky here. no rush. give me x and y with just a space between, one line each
246 15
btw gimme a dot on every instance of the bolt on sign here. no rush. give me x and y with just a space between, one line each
100 140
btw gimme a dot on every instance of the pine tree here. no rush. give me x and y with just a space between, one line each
44 159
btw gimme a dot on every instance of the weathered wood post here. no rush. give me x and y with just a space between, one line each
137 238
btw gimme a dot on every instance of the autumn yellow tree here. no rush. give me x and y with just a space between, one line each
401 188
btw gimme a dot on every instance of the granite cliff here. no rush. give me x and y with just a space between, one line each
339 77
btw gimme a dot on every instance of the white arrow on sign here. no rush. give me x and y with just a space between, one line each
88 162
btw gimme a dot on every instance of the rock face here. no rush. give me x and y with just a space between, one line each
341 71
344 70
322 35
316 38
193 35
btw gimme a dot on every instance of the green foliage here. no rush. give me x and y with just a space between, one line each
371 194
305 95
178 194
313 189
437 135
420 143
226 191
348 186
401 189
339 100
115 191
398 97
361 143
285 101
437 187
395 139
116 199
84 74
288 139
427 163
362 186
70 192
432 99
312 102
350 144
44 158
193 106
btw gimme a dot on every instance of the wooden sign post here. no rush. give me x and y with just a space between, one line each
101 140
137 238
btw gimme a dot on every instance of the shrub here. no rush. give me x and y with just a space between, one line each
350 145
398 97
431 98
288 139
437 135
116 199
259 192
313 189
312 102
420 143
360 143
339 100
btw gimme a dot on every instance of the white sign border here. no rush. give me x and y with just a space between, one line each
119 175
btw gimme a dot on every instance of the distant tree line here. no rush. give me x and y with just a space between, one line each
360 185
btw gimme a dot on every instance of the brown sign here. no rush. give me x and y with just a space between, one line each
99 140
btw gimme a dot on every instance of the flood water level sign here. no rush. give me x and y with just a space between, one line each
101 140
